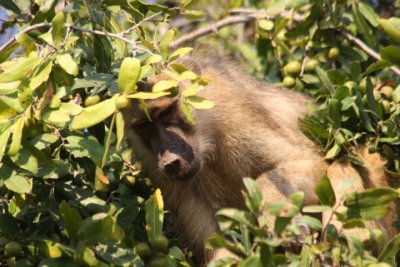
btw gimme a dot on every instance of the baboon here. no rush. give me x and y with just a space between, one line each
252 131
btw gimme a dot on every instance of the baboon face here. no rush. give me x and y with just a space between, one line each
169 136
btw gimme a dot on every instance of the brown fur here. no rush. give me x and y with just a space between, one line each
252 131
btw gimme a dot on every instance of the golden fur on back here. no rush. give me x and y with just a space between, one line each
252 131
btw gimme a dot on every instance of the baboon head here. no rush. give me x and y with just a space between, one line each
163 138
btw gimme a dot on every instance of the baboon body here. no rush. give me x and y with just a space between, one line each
252 131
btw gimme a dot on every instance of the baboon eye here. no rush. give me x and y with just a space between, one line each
165 112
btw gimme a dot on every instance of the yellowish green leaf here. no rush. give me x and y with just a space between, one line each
92 115
67 63
129 74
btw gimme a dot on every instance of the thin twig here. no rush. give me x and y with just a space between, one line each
119 36
12 40
211 28
367 49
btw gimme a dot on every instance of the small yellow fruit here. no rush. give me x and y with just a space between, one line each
310 65
289 82
333 53
387 92
293 68
92 100
122 102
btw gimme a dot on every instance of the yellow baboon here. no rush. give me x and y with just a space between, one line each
252 131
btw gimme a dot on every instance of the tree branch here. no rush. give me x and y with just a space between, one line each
119 36
367 49
211 28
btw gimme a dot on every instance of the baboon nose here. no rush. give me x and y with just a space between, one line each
173 167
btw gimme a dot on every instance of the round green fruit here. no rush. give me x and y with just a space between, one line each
386 92
159 243
122 102
310 65
92 100
12 249
158 262
143 250
293 68
289 82
333 53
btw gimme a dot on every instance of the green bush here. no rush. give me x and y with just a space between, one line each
70 194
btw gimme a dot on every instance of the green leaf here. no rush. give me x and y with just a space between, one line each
323 76
16 137
362 26
391 249
325 192
10 5
193 14
192 90
85 255
19 69
58 28
100 228
67 63
369 13
41 74
18 184
189 3
154 215
92 115
199 102
255 198
5 135
26 160
27 43
234 214
372 197
183 51
378 65
334 107
391 53
312 222
72 219
115 27
316 209
84 147
119 129
187 112
217 242
391 28
154 59
165 43
148 95
333 152
252 261
164 85
129 74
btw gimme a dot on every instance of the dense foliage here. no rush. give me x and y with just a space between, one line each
70 194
